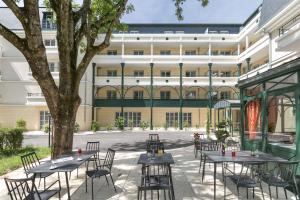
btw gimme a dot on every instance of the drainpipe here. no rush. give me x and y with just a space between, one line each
210 91
180 96
122 90
93 91
151 97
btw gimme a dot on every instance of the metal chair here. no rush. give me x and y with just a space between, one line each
154 146
30 161
282 176
155 178
93 146
102 170
247 178
25 189
153 137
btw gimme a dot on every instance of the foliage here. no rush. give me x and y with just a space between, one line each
179 9
45 128
109 127
95 126
144 125
176 124
197 126
186 125
222 125
10 159
11 138
76 128
130 124
21 124
120 123
165 126
221 135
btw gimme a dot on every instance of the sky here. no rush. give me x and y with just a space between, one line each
217 11
163 11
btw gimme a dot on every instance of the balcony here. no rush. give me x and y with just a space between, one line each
165 81
36 99
289 36
255 48
166 59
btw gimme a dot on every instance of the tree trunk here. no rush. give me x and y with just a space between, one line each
64 122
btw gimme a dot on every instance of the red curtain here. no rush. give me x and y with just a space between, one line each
253 111
272 114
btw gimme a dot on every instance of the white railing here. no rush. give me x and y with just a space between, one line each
35 99
254 48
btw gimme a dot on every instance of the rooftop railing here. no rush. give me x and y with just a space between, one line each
286 27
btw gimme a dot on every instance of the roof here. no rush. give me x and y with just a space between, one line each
227 104
270 8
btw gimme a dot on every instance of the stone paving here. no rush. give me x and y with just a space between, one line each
126 173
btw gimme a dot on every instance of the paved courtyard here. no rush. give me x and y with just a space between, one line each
126 173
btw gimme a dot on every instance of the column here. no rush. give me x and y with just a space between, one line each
242 119
270 49
209 49
93 91
247 42
239 49
122 89
264 117
297 99
180 98
248 64
210 90
239 66
151 96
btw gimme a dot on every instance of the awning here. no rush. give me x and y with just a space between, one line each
227 104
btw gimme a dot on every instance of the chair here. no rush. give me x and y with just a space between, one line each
102 170
247 178
93 146
155 178
30 161
19 189
282 176
154 146
153 137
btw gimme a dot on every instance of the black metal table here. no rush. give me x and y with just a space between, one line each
241 157
65 163
164 159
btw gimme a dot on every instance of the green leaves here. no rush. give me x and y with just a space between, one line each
179 10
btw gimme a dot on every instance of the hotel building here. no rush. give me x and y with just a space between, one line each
167 75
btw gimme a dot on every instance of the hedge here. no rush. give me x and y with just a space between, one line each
11 138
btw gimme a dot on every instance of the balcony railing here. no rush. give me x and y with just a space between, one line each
35 99
289 25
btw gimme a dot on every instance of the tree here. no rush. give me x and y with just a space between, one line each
78 27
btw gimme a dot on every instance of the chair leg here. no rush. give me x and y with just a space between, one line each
285 193
39 182
247 192
85 183
92 188
261 189
276 192
112 180
106 180
44 183
253 193
270 192
203 170
138 193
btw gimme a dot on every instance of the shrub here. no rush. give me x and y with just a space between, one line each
120 123
186 125
21 124
144 125
95 126
76 128
165 126
109 127
222 135
130 124
11 138
45 128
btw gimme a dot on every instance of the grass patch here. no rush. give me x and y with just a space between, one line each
10 160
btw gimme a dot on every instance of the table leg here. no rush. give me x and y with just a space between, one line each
171 181
68 187
215 173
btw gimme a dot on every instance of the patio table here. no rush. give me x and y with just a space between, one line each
65 163
241 157
164 159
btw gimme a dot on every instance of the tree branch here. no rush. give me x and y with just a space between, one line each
82 11
16 10
18 42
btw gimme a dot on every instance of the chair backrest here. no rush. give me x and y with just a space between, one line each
213 145
92 146
109 158
153 137
155 146
287 170
19 189
29 161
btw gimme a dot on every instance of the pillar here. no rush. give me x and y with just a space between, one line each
242 119
239 66
248 64
297 104
93 91
122 89
264 117
210 91
151 96
180 98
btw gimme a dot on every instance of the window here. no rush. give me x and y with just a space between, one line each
138 94
224 95
190 52
187 118
53 67
134 117
138 52
165 52
190 73
165 95
112 52
165 73
138 73
49 42
111 94
172 119
47 21
215 73
215 52
44 118
225 53
190 94
111 72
